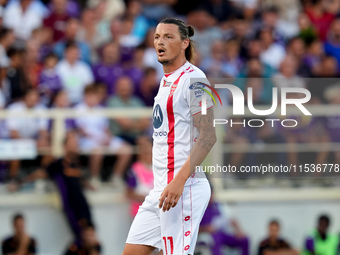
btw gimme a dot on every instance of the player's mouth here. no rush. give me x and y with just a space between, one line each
161 52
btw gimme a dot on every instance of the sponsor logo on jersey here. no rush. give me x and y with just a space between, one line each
166 83
157 116
198 93
160 133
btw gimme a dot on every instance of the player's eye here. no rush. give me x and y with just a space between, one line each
169 37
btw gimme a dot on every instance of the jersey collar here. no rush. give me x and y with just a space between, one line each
174 74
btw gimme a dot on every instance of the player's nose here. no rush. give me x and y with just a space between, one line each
160 41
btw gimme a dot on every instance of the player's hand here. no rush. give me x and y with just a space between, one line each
171 194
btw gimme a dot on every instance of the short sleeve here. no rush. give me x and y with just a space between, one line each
198 88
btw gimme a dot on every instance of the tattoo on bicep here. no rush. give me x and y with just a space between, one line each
204 124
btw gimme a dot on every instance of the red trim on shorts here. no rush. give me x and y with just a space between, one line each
171 133
191 213
182 224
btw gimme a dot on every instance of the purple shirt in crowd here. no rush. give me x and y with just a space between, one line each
49 83
332 125
109 74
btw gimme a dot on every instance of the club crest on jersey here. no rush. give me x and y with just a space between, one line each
166 83
157 116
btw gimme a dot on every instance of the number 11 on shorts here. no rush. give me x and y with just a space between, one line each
171 241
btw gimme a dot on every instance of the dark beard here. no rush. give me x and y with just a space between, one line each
167 62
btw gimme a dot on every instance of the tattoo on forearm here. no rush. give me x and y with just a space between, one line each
204 124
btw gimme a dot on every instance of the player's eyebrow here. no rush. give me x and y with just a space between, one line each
164 34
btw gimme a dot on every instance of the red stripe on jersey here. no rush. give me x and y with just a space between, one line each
171 133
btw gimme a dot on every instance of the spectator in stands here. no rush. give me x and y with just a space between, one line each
96 136
49 81
43 37
127 38
150 55
16 79
213 66
4 134
327 72
332 47
148 87
140 177
274 244
218 225
140 22
220 10
313 57
307 30
307 131
320 241
27 128
233 62
102 92
72 8
239 137
23 19
68 177
32 66
320 18
20 242
254 48
74 74
88 245
287 75
272 53
57 19
127 128
6 40
269 19
71 30
61 101
239 31
332 123
256 74
108 69
89 32
205 32
296 47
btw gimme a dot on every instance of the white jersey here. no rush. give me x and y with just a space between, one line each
175 104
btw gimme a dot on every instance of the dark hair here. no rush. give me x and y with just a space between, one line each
51 55
16 217
149 70
90 89
11 52
274 222
4 32
185 31
325 218
71 44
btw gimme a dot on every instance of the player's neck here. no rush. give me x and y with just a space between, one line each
174 66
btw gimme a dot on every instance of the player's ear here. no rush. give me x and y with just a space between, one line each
185 44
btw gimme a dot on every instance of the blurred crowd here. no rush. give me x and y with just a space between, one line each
99 54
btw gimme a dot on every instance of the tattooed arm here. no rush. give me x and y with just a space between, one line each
205 141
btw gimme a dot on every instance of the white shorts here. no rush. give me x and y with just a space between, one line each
174 231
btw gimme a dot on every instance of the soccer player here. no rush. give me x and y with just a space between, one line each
169 218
